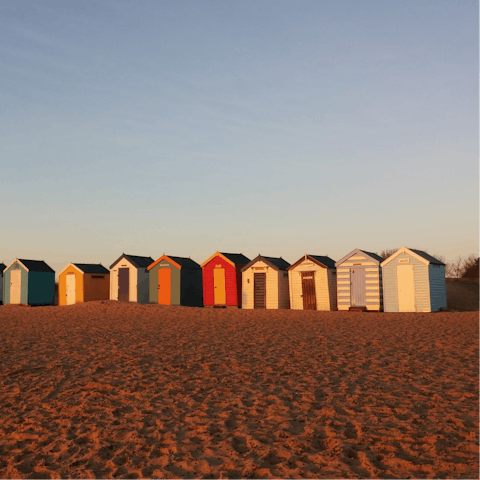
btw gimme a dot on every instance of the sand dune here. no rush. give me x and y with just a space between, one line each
124 390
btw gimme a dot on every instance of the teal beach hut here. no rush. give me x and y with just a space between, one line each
29 282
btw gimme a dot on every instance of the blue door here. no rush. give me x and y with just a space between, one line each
357 287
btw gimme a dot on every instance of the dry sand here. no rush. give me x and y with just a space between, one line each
124 390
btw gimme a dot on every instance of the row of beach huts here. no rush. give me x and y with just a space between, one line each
408 281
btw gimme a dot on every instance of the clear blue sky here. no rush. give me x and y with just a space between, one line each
272 127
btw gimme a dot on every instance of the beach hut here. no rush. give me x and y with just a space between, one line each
222 279
359 281
265 283
29 282
83 282
2 268
129 279
176 281
413 281
313 283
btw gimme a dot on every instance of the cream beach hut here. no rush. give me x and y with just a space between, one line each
413 281
313 284
359 281
265 283
129 279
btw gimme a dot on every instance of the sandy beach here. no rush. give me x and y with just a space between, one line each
106 390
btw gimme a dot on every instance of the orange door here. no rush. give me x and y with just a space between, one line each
164 284
220 294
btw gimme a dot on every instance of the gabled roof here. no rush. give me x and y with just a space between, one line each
232 258
277 263
135 260
36 265
179 262
422 256
323 261
426 256
91 268
2 267
376 258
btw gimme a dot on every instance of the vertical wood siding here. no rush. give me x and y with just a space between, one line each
390 286
283 290
373 282
325 286
271 286
438 292
41 288
6 280
96 288
232 279
62 285
143 285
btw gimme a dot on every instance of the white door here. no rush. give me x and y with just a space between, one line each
71 288
15 286
405 288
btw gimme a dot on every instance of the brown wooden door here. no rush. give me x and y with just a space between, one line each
123 284
259 290
308 291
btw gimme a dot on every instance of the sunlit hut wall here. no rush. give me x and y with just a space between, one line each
176 281
83 282
29 282
222 279
313 283
413 281
129 278
2 268
359 281
265 283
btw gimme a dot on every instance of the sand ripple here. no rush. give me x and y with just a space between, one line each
110 390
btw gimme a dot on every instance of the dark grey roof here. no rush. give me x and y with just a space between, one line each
327 261
185 262
236 258
2 267
91 268
428 257
275 262
135 260
36 265
373 255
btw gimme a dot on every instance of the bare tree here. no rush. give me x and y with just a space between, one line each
388 253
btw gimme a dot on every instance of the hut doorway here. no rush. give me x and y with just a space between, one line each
308 291
358 290
220 293
15 286
164 286
71 288
123 284
405 288
259 290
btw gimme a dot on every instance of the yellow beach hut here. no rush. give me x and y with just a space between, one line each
265 283
83 282
313 283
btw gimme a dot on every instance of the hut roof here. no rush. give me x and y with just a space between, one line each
373 256
135 260
2 267
321 260
91 267
237 258
276 263
426 256
36 265
185 262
